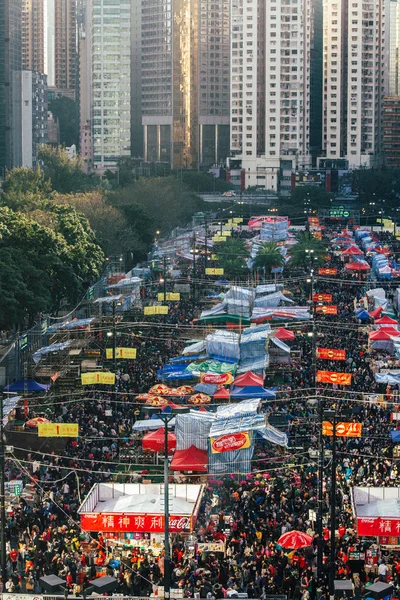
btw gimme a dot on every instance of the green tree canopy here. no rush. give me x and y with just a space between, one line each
232 256
268 257
65 175
308 252
24 189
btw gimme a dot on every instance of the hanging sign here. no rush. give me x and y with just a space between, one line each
327 310
156 310
331 354
342 429
332 271
58 430
170 297
229 442
222 379
214 271
333 377
105 378
322 298
127 353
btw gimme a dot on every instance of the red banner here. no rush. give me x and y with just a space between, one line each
326 310
223 379
333 377
331 354
134 523
322 298
377 526
332 271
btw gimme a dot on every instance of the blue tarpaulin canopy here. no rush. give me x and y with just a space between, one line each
395 435
252 391
29 384
362 314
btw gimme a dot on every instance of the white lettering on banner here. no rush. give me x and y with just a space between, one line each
181 524
156 523
139 522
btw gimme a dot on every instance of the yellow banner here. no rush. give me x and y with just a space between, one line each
156 310
218 238
170 297
121 353
212 271
58 430
227 233
237 220
106 378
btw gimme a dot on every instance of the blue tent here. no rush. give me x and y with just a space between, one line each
395 435
26 384
252 391
362 314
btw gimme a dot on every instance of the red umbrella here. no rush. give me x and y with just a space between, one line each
358 266
295 539
155 441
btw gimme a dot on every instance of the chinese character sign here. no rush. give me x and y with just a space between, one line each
342 429
378 526
134 523
327 310
58 430
333 377
322 298
331 354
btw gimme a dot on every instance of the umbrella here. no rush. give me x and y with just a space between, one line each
161 388
142 397
199 399
156 401
358 266
295 539
155 441
172 392
35 421
185 390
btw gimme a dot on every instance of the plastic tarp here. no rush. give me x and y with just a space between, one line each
29 384
125 283
8 405
74 324
206 388
272 300
195 348
362 314
193 429
191 459
295 313
388 378
395 435
240 294
224 318
108 299
223 344
150 424
281 345
274 436
252 392
253 344
215 310
257 365
212 366
238 307
268 288
186 358
58 347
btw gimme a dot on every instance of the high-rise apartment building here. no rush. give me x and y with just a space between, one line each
65 47
270 88
356 54
85 82
34 35
111 74
34 115
10 85
185 81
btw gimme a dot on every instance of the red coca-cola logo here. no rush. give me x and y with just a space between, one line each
224 378
179 523
234 441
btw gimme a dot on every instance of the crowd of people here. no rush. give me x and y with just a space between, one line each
247 513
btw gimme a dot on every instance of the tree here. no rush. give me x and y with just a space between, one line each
23 189
199 182
65 175
66 111
232 256
309 252
268 257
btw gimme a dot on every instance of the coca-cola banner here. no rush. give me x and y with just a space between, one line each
222 379
134 523
229 442
377 526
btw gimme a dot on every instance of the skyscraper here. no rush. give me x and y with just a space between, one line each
85 82
270 88
34 35
65 47
355 80
10 85
34 115
394 48
111 72
185 81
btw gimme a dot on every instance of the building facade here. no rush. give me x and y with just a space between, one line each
65 47
270 88
34 35
391 131
185 81
111 76
85 83
10 85
355 77
34 115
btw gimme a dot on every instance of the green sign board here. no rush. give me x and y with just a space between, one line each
339 212
91 293
23 342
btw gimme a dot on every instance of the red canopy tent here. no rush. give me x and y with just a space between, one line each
247 379
385 333
375 314
386 321
353 251
191 459
357 266
284 334
155 441
222 394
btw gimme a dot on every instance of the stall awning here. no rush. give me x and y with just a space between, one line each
191 459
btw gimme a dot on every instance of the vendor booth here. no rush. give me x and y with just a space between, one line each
133 513
377 513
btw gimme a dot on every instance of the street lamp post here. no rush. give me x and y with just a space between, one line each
167 557
331 416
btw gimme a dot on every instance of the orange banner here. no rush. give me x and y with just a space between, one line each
333 377
332 271
322 298
331 354
342 429
326 310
